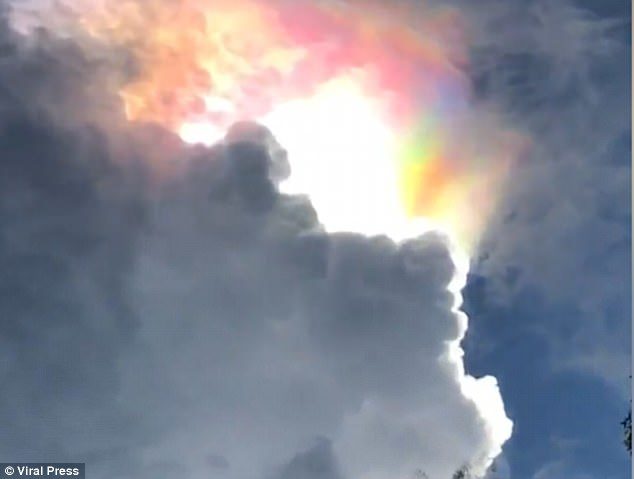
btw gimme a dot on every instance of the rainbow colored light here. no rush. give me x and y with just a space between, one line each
418 149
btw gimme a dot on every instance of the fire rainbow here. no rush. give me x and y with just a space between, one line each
372 102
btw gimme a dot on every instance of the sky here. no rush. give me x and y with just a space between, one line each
264 239
560 342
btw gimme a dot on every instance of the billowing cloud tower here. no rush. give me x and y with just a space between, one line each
180 310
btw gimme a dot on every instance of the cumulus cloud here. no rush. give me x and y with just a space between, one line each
167 312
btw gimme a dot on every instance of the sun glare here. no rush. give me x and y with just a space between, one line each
342 153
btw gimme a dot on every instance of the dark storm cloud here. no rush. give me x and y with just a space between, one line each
166 312
68 217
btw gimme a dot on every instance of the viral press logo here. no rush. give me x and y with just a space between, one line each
50 470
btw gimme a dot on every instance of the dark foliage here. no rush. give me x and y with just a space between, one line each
627 431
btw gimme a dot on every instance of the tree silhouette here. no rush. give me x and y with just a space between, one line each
627 431
462 473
